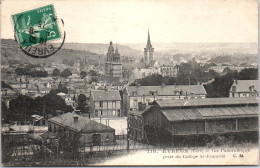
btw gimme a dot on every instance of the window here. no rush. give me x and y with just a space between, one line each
49 127
134 93
100 104
135 102
113 103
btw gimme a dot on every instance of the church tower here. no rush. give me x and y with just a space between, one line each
148 52
113 65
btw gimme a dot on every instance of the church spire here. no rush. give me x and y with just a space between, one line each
148 40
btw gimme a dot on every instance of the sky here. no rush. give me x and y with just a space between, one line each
128 21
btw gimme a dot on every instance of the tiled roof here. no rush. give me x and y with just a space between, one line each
83 124
206 102
167 90
101 95
109 79
243 85
209 113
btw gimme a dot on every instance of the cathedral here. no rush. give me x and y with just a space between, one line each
148 52
113 65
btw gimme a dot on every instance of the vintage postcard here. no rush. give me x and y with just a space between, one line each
129 83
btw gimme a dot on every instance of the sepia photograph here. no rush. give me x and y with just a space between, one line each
129 83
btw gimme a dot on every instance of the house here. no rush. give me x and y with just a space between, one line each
132 95
105 103
38 120
244 88
8 94
90 131
195 120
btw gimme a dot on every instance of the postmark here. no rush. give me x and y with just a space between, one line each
37 32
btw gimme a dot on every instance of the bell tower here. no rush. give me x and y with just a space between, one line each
148 52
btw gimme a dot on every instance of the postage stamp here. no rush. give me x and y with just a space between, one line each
36 26
38 32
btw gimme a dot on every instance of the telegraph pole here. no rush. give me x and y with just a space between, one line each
127 148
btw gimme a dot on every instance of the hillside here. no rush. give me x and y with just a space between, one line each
101 48
10 53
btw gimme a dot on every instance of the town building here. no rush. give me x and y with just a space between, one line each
113 65
135 122
7 95
105 103
91 131
244 88
195 120
148 52
133 95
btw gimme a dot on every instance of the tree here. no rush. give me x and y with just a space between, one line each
36 73
56 72
82 102
65 73
62 88
69 143
23 107
69 109
93 73
6 115
22 71
83 74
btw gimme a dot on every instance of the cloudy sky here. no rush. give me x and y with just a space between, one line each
128 21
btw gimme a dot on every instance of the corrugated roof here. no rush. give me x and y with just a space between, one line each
181 114
101 95
167 90
207 102
243 85
228 111
209 113
83 124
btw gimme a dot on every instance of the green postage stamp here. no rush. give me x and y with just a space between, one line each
36 26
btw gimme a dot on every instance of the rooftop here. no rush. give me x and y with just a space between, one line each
210 113
243 85
167 89
83 124
102 95
224 101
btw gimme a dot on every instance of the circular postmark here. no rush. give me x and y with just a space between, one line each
37 32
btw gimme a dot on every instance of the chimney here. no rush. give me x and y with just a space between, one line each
106 89
76 119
